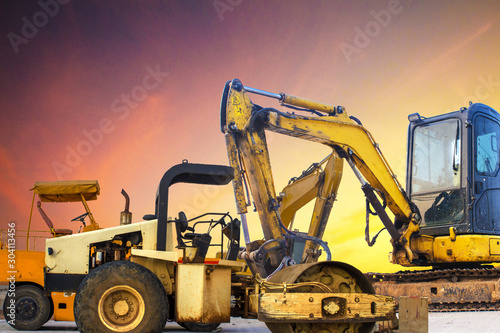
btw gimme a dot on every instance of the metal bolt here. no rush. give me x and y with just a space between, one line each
311 299
311 315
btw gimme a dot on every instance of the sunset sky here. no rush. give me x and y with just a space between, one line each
120 91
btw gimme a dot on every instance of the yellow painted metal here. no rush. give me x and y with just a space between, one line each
403 254
63 306
495 246
453 233
321 184
203 293
324 307
365 153
307 103
234 162
29 224
248 151
28 266
297 194
93 224
67 191
325 198
465 248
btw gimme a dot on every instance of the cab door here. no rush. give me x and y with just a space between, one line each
486 164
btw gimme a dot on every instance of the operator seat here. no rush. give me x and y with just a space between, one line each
55 232
199 241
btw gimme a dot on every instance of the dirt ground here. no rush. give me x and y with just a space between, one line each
447 322
451 322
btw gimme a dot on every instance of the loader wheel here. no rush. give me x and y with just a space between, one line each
199 327
121 296
31 308
339 277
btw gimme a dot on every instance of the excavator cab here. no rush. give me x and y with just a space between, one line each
453 171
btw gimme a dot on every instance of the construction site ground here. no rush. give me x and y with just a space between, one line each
444 322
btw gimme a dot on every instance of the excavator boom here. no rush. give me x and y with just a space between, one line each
244 125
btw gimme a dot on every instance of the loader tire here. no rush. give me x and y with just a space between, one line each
121 296
31 308
199 327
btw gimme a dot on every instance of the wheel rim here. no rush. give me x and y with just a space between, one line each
121 308
26 308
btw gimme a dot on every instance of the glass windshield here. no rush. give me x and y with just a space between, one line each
436 163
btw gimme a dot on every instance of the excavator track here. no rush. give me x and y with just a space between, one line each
448 290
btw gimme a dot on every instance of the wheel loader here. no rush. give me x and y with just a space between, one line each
26 306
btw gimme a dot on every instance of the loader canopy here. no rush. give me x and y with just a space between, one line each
67 191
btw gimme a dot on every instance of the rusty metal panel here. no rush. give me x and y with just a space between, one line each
443 291
413 315
324 307
203 293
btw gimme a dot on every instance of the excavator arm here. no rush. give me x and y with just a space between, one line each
244 125
321 182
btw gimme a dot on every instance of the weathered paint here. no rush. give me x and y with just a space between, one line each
203 293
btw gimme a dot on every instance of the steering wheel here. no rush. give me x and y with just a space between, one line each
80 217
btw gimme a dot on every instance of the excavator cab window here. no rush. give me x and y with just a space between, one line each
486 184
436 172
487 157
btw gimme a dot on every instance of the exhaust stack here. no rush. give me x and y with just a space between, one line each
126 216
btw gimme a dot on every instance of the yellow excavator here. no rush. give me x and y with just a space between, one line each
448 217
